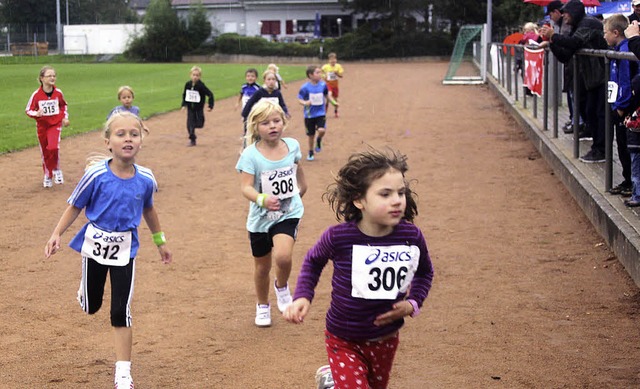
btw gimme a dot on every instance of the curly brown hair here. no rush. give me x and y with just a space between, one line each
355 177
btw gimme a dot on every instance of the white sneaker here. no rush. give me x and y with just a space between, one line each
324 379
284 297
47 182
263 315
57 177
124 382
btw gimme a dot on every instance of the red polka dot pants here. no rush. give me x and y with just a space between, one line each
361 364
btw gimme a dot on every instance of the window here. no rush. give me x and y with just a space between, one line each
270 27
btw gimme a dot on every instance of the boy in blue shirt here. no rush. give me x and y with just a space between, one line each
312 97
619 95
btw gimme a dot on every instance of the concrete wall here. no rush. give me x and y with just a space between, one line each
99 38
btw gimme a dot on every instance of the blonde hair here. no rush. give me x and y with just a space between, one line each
195 69
96 158
617 22
266 73
530 26
332 55
125 88
260 112
43 70
273 67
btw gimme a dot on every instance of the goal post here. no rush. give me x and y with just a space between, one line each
469 56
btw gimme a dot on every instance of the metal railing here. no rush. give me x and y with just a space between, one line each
509 78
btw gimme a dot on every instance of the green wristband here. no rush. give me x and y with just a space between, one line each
159 238
261 199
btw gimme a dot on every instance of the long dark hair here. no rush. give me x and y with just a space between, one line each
355 177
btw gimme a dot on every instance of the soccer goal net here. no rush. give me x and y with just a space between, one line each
469 57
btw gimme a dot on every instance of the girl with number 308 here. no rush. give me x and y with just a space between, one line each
274 183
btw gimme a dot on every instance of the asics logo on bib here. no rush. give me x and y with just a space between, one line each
281 173
108 239
393 256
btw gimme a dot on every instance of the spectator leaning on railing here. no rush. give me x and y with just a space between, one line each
586 33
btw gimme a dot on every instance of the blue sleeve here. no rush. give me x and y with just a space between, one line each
245 162
81 195
303 94
250 103
623 100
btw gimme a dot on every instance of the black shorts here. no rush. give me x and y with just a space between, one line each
262 242
94 277
312 124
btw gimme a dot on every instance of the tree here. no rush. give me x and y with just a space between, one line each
198 26
80 11
164 36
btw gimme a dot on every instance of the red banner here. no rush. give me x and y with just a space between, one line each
533 67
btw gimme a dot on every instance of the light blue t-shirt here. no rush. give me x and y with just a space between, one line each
121 108
253 162
113 203
317 93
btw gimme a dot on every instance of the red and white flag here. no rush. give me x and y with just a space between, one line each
533 67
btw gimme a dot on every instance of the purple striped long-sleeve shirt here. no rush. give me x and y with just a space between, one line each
382 269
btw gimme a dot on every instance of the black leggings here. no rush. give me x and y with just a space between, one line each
94 276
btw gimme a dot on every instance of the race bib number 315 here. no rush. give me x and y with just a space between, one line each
381 272
49 107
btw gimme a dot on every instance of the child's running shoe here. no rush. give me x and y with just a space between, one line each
47 182
124 382
58 178
324 379
318 145
283 295
263 315
310 156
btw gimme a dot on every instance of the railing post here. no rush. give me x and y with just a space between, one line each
576 108
545 92
557 95
608 135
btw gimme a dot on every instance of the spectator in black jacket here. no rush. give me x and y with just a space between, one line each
636 11
586 33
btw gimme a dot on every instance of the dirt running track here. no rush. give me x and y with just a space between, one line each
525 293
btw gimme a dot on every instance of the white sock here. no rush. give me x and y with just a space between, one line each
123 368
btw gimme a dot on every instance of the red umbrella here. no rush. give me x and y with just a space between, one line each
544 3
512 39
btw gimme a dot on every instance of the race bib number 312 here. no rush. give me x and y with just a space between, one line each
381 272
107 248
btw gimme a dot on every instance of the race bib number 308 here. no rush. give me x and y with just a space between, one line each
107 248
381 272
281 182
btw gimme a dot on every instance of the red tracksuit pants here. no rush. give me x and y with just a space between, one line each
49 138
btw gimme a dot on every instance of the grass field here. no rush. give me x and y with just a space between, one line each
91 88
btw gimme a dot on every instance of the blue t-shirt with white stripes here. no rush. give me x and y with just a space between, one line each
113 203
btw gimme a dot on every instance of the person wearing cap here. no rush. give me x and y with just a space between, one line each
553 10
586 33
555 15
636 11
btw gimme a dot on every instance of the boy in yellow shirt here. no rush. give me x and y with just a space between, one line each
332 71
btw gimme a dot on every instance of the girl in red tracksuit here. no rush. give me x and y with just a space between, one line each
48 107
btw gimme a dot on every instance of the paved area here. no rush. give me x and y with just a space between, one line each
618 224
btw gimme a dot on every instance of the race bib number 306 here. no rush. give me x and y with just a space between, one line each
107 248
381 272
